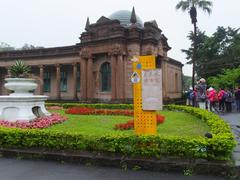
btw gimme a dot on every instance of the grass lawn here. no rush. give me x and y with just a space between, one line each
176 124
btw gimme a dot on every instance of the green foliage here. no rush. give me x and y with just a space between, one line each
96 106
30 46
222 143
188 172
216 52
219 147
185 5
187 82
230 78
19 69
6 47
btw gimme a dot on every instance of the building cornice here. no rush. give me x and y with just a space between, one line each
43 52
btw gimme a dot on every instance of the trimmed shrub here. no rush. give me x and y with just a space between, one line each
95 106
223 142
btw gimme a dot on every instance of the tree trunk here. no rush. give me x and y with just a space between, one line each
194 53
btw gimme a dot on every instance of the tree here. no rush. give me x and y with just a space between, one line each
191 6
30 46
6 47
186 82
229 78
216 52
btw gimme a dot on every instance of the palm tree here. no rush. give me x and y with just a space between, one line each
190 6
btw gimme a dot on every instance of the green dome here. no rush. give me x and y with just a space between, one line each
124 17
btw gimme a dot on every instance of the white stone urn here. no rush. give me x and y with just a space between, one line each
20 86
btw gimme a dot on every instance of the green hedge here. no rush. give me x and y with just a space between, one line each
219 147
223 142
96 106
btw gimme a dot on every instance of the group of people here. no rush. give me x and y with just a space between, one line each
210 99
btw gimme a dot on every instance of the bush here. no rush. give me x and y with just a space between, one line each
222 143
95 106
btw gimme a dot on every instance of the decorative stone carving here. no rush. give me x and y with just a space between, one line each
116 50
85 54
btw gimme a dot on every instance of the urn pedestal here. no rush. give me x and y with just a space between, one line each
22 104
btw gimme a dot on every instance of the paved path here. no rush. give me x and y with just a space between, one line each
234 121
14 169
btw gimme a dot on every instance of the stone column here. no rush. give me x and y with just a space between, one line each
89 78
41 75
83 76
165 81
58 76
125 78
120 77
113 78
75 81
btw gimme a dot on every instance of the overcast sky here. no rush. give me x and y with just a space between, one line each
52 23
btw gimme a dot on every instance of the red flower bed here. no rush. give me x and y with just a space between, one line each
89 111
80 110
37 123
130 124
125 126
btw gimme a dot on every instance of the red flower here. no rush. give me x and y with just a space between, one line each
160 119
130 124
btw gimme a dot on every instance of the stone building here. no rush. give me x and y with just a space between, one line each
99 67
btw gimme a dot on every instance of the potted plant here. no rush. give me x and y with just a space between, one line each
19 70
19 79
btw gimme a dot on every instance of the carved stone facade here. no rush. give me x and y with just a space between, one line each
74 72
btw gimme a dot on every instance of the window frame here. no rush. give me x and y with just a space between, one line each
105 71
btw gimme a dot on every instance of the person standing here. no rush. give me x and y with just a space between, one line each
229 100
201 93
221 99
212 97
190 97
237 98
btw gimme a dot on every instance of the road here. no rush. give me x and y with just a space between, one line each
20 169
233 119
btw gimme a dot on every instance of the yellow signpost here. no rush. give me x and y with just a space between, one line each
144 121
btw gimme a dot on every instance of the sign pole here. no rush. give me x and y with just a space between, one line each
144 120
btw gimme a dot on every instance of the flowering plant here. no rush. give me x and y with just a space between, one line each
38 123
88 111
130 124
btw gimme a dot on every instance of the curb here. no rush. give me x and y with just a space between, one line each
198 166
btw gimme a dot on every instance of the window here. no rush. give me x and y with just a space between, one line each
78 80
63 81
47 82
106 76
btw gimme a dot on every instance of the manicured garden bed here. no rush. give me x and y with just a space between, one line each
176 124
181 136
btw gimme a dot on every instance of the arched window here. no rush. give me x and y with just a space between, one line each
105 71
